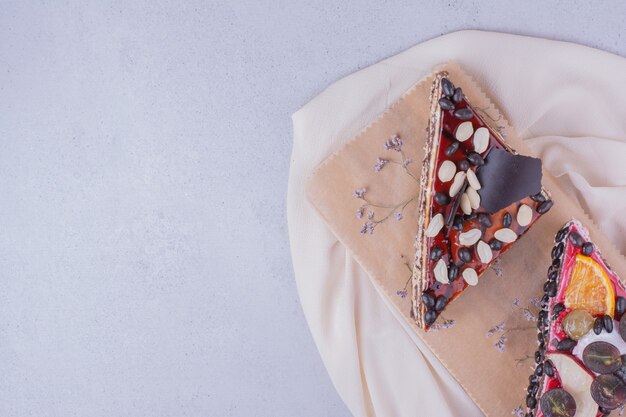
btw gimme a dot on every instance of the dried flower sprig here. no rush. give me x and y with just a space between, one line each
527 312
393 144
518 412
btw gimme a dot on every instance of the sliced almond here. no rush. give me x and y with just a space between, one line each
474 197
464 131
484 252
472 179
470 237
466 206
446 171
481 139
524 215
505 235
457 184
441 271
470 276
435 225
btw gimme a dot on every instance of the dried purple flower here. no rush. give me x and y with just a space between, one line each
500 345
518 412
406 162
446 324
359 212
359 193
367 228
535 302
370 214
380 164
394 143
397 215
401 293
496 268
498 328
516 302
529 316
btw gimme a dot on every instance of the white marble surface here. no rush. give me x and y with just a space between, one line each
144 262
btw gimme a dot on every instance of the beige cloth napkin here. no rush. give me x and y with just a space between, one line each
566 100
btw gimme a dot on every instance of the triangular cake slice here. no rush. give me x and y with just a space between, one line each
580 370
477 198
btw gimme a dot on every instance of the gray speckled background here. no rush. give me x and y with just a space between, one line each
144 261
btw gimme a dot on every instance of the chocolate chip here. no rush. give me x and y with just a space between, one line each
475 159
441 302
463 114
562 233
598 325
552 274
545 300
607 322
457 224
495 244
548 369
507 220
558 308
539 370
551 290
532 389
542 317
544 207
452 148
465 255
620 307
463 165
557 251
485 220
443 199
458 95
575 239
566 344
556 263
453 272
428 300
531 402
430 317
447 87
435 253
539 198
470 217
446 104
587 248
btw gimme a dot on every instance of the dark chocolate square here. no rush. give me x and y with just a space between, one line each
506 178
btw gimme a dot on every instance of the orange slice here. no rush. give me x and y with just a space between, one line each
590 287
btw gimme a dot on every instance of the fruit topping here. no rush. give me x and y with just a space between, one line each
557 403
602 357
576 381
590 287
608 391
577 323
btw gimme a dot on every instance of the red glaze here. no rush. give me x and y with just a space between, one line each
448 238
